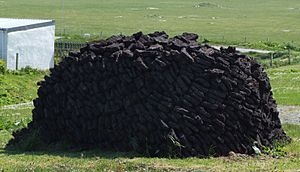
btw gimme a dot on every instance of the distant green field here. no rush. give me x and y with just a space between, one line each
273 20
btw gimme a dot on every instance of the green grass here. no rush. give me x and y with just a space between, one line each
100 161
219 20
19 87
12 119
285 83
97 160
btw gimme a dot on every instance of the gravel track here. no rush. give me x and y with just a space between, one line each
289 114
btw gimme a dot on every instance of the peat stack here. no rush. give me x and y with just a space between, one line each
158 96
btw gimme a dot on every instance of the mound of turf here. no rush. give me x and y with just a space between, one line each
159 96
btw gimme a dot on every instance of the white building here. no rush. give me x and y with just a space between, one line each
27 42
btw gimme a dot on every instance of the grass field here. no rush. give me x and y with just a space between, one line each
273 20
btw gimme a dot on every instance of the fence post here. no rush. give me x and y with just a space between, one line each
271 59
17 61
289 55
60 54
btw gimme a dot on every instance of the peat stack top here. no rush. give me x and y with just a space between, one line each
158 96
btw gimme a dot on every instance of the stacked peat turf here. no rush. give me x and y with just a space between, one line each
158 96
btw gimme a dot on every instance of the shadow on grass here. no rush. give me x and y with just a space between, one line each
28 142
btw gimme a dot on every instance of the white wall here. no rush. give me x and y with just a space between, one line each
35 48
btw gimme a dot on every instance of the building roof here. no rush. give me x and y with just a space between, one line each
11 25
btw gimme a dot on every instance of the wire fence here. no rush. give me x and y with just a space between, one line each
62 49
